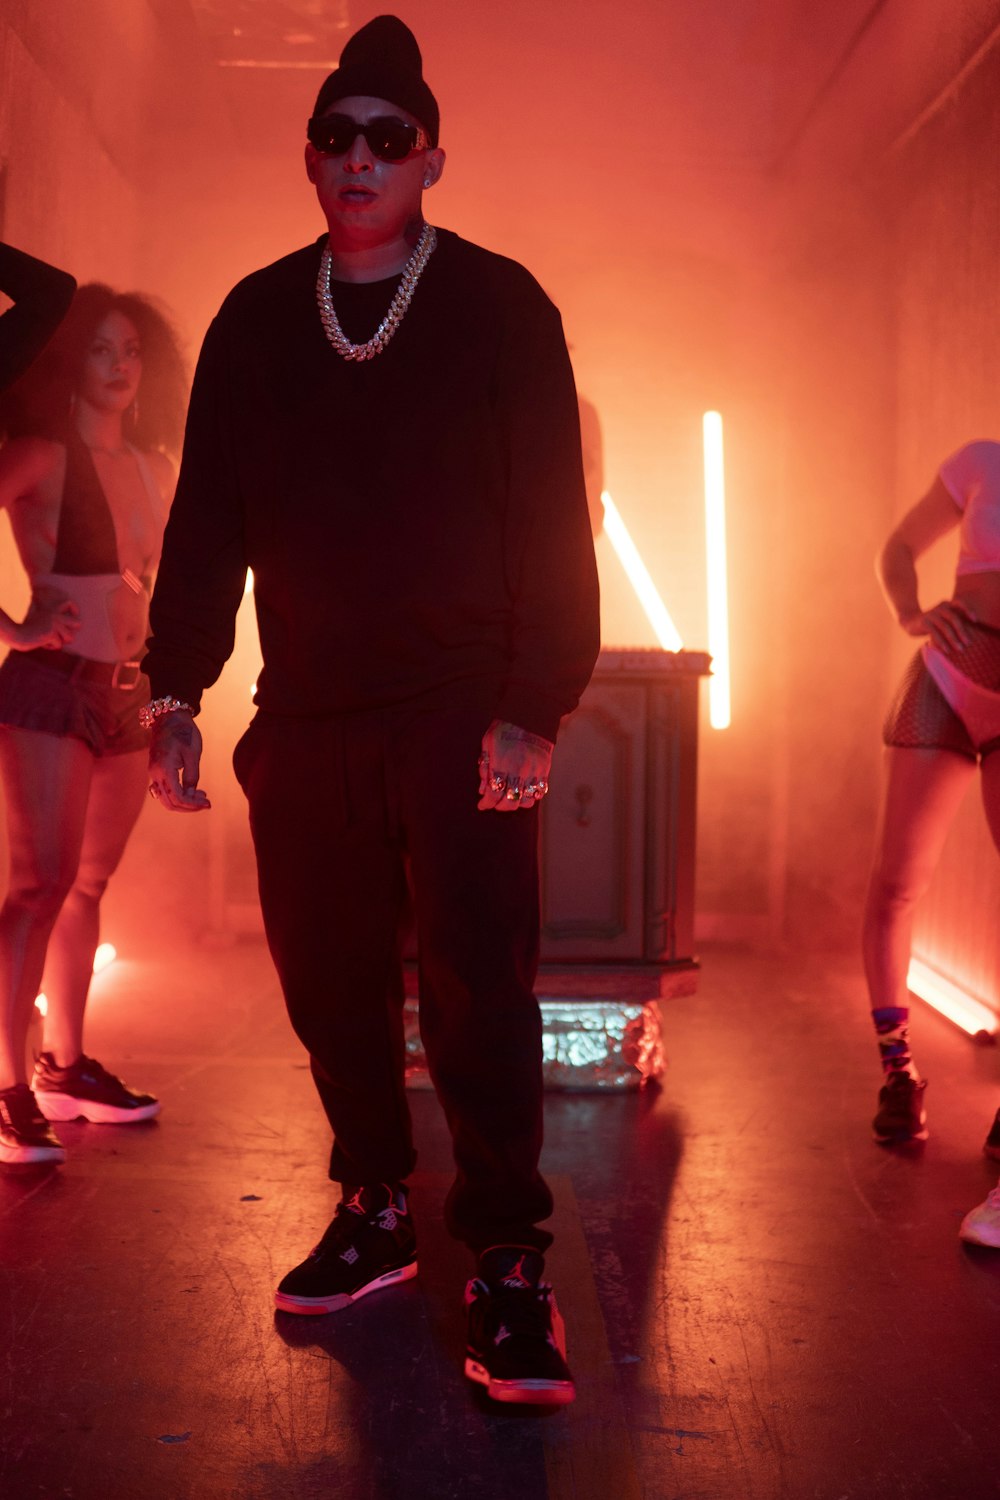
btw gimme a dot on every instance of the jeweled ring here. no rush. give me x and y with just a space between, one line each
514 790
497 783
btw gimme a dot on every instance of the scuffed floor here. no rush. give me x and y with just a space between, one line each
761 1303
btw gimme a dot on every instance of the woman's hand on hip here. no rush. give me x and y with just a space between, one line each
51 626
946 623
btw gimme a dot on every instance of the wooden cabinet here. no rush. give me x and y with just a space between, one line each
618 832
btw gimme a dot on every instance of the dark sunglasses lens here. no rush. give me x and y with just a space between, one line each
332 135
390 139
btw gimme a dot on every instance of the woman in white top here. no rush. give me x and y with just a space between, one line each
87 486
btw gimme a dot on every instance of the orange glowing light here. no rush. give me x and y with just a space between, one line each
719 706
106 954
951 1000
664 629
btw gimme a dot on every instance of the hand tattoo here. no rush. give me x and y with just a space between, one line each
512 734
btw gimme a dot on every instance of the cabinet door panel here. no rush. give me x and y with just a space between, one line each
592 831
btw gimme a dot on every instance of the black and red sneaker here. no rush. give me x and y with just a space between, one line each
901 1115
517 1340
369 1244
86 1091
26 1138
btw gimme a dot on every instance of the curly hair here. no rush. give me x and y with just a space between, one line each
40 403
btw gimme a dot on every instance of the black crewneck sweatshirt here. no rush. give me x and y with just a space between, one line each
415 523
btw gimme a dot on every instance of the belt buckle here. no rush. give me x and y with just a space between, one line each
125 666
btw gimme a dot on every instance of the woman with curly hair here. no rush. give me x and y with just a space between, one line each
87 485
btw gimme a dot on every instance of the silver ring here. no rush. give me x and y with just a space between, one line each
514 789
497 783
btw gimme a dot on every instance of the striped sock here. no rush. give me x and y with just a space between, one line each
892 1029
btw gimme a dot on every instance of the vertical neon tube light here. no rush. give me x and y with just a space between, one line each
657 614
718 587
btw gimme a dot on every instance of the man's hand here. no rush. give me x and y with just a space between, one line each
174 762
513 768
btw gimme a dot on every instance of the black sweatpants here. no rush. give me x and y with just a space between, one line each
338 806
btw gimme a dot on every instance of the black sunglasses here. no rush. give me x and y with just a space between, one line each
388 139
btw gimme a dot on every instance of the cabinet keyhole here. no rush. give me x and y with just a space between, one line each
584 796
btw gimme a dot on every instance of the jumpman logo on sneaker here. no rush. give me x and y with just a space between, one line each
516 1276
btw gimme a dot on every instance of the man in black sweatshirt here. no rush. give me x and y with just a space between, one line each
384 428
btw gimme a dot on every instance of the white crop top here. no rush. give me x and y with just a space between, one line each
972 478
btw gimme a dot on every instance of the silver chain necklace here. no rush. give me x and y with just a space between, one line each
397 307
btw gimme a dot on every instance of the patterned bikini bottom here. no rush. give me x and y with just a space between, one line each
950 703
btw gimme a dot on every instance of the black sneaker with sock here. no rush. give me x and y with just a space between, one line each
516 1339
26 1138
368 1245
901 1117
87 1091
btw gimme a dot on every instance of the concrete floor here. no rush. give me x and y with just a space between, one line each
761 1303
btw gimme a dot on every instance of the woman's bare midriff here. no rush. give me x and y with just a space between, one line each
979 593
113 617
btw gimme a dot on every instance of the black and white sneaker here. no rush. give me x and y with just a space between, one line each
26 1139
368 1245
901 1115
517 1340
991 1146
86 1091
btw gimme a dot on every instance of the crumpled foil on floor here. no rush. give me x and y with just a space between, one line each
587 1045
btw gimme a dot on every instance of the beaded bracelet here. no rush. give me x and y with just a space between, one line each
150 712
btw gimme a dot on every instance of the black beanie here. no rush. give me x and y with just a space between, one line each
383 61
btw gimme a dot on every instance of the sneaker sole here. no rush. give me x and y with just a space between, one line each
31 1156
314 1306
63 1107
901 1137
522 1392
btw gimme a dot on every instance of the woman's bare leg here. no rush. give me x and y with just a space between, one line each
117 789
923 790
47 783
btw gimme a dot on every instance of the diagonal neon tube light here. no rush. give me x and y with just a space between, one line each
664 629
719 707
951 1000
